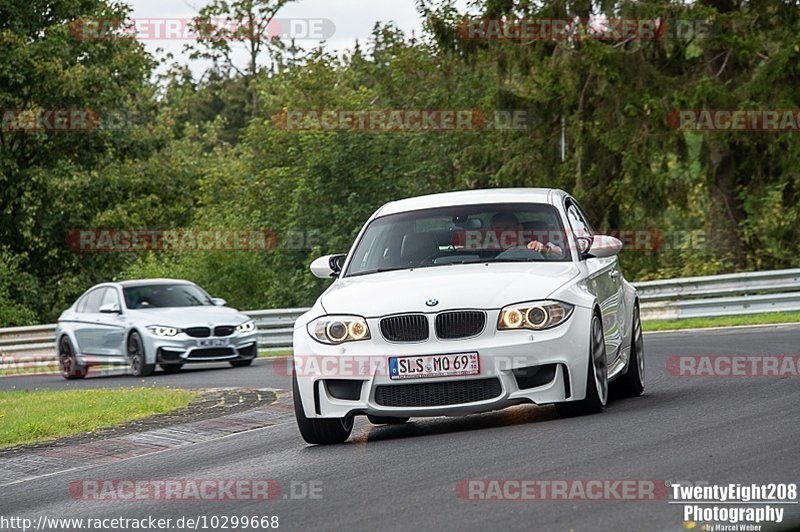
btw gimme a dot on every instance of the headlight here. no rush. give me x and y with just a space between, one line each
339 329
159 330
537 315
246 327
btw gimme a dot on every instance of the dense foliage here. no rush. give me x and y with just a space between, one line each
213 152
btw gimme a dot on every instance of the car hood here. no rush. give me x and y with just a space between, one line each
187 316
480 285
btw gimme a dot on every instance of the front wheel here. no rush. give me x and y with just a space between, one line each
68 365
136 356
632 383
596 377
319 431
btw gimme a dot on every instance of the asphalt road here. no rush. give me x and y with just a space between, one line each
264 373
699 429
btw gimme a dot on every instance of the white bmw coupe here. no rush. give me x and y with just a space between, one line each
465 302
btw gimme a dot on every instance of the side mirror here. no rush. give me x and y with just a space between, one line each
218 301
327 266
110 308
600 246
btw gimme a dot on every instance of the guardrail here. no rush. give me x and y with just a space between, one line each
688 297
720 295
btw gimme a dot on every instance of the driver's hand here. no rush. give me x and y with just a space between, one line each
535 245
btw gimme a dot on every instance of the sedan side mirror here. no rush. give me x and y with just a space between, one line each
110 308
218 301
327 266
599 246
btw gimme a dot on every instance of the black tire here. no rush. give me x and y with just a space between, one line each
67 363
381 420
241 363
631 384
596 378
170 368
136 357
319 431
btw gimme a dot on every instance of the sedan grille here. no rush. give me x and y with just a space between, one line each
198 332
460 324
223 330
211 352
405 328
438 393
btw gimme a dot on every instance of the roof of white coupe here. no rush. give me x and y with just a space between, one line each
472 197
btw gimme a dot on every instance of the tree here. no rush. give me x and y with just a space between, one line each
222 23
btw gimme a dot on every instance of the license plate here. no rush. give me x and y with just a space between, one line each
424 367
212 342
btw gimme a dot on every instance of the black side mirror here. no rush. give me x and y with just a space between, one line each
336 262
584 244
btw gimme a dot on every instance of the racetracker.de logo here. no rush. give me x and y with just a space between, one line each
37 120
561 490
380 120
125 240
211 28
576 29
733 366
786 120
175 490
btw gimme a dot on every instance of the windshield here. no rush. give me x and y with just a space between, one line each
165 295
527 232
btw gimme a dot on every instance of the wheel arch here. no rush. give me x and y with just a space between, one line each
149 351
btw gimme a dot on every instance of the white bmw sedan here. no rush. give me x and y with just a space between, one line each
465 302
141 323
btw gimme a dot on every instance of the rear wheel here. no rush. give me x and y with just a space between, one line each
319 431
632 383
136 356
67 362
596 378
171 368
241 363
385 420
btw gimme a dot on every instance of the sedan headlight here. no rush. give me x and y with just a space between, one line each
160 330
536 315
246 327
339 329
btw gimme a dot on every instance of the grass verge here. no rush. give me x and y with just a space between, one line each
274 353
34 416
722 321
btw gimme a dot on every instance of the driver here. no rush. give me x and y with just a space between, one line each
508 221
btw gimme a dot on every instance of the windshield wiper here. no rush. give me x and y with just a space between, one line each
516 260
380 270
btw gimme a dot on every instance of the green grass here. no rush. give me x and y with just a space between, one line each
277 353
33 416
722 321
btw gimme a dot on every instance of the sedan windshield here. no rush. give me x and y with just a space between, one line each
527 232
165 295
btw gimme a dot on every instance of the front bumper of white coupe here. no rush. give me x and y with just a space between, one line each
515 367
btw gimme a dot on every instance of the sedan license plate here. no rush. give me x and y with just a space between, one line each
212 342
427 366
